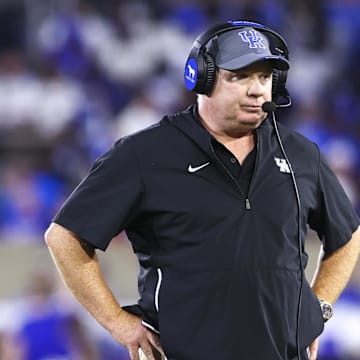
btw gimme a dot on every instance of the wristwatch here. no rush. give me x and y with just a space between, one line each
327 309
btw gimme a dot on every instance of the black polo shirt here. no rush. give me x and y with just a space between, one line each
241 172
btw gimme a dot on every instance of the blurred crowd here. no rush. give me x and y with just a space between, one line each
46 324
76 75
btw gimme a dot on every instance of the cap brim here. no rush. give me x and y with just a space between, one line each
277 62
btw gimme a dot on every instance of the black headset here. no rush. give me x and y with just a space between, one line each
204 63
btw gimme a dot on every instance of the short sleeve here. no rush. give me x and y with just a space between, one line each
106 200
334 218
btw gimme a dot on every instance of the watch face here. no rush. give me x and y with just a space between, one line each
326 309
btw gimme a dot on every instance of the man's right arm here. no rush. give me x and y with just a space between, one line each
78 265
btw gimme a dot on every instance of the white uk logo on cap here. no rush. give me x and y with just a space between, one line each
252 38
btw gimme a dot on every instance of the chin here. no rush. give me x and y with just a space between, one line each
253 121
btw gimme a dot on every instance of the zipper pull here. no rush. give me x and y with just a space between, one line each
247 204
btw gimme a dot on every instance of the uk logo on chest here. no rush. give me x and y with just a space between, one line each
282 165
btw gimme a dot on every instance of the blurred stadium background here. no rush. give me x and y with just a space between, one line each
76 75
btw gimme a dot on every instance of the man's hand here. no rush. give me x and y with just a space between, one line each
129 331
79 267
313 349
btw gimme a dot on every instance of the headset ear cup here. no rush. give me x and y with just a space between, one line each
210 74
275 82
200 73
206 72
279 85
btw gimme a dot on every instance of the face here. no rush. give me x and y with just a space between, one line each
235 103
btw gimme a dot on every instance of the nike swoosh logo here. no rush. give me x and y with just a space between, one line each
197 168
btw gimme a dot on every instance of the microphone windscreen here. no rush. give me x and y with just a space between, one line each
268 106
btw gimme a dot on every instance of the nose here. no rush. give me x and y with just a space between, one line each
256 88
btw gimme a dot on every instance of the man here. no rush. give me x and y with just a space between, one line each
215 201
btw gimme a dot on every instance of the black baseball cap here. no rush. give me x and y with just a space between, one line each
238 48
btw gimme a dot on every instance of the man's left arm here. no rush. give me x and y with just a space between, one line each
334 270
333 273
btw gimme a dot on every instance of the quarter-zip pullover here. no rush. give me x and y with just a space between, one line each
219 256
